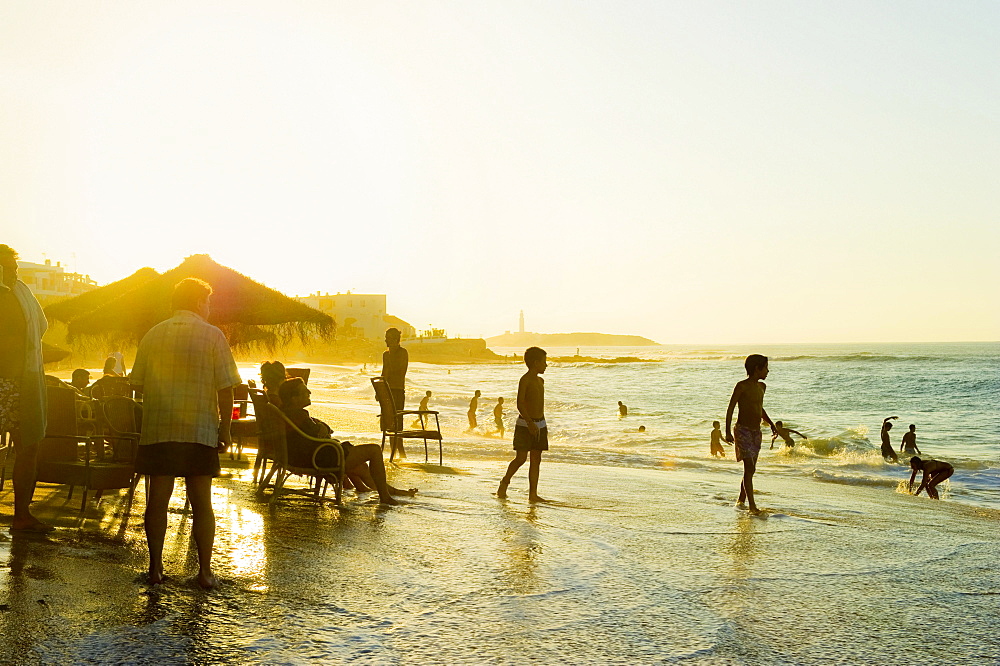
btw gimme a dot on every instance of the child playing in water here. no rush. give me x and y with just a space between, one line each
716 446
785 434
749 395
530 433
498 416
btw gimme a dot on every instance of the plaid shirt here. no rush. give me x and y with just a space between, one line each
181 365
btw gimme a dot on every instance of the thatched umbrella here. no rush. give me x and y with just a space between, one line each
53 354
71 308
248 312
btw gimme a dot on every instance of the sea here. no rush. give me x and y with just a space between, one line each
638 555
835 395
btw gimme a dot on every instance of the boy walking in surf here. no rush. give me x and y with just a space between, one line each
530 434
749 395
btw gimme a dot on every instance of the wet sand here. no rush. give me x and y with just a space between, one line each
624 565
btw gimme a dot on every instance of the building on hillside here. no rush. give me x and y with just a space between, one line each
51 283
357 315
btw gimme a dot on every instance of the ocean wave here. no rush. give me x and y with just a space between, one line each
852 480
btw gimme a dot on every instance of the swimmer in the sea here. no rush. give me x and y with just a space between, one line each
784 433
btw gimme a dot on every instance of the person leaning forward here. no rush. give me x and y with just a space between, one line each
186 372
22 385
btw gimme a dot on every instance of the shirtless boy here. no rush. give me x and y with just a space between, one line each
784 433
530 434
498 416
749 395
887 451
909 443
934 471
716 446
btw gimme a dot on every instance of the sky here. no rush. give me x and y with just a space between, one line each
693 172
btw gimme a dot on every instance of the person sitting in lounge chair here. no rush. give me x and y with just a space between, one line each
363 463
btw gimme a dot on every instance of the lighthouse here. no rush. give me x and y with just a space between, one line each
520 323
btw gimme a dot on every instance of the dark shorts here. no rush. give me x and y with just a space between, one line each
523 441
747 442
399 399
177 459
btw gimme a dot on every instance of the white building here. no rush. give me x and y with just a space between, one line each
357 315
50 283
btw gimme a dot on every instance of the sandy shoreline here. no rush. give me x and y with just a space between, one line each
625 565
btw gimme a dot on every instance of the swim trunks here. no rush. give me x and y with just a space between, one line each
523 439
10 404
747 441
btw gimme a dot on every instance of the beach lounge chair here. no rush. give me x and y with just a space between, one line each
259 400
61 461
273 426
392 421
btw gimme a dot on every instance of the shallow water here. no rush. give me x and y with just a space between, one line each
640 557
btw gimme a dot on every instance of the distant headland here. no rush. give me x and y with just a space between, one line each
568 340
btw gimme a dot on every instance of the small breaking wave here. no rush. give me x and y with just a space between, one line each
854 480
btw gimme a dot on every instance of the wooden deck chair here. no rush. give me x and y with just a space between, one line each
259 400
392 421
274 426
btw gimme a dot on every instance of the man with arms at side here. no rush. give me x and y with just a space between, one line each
395 360
749 395
909 443
531 436
22 385
186 372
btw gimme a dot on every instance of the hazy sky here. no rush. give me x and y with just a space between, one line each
700 172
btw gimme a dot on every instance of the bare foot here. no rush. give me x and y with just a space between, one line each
155 578
502 490
207 581
754 511
388 500
399 491
30 524
536 498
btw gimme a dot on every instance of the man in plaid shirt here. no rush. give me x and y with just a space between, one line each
186 373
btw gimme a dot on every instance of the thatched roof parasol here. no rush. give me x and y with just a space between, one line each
53 354
248 312
71 308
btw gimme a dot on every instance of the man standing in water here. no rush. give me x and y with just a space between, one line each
531 435
934 471
749 395
887 451
22 385
395 361
909 443
186 373
473 408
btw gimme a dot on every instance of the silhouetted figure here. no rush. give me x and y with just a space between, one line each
187 373
784 433
424 401
109 367
272 376
887 451
498 416
22 385
749 395
363 463
909 443
395 361
642 428
81 381
473 408
622 409
715 448
935 471
530 432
